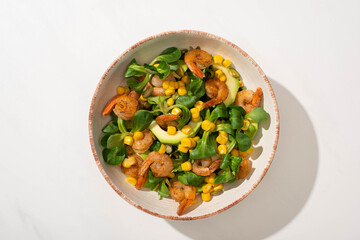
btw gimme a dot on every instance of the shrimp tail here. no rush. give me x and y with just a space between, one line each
212 102
214 165
110 105
141 181
183 205
257 97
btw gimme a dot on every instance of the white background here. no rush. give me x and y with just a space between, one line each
52 55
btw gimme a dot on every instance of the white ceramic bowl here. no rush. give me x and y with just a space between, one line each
266 139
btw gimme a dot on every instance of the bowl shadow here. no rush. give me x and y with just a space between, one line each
282 193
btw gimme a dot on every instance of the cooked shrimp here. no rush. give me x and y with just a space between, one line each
207 166
126 107
167 120
157 82
134 95
184 194
248 99
158 91
160 165
141 146
244 168
133 170
196 60
217 90
111 104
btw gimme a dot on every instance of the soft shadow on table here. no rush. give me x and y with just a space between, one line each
284 190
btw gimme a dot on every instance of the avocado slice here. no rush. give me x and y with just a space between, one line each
173 139
231 82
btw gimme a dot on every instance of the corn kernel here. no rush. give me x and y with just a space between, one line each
181 84
186 166
170 102
156 65
185 79
142 98
128 162
162 149
212 127
218 187
206 125
182 91
120 90
176 84
131 180
138 136
222 78
246 125
195 119
221 139
226 63
128 140
171 130
193 143
235 152
183 149
210 179
247 152
222 149
127 90
218 59
169 92
199 105
172 85
166 84
186 129
218 73
186 142
195 113
196 138
176 111
207 188
223 133
206 197
171 175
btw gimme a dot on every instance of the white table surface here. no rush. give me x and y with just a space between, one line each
52 55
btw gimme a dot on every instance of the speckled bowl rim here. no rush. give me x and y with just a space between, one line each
241 52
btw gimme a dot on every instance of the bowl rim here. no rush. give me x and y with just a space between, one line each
277 127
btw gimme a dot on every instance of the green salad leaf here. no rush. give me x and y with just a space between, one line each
115 140
154 181
252 129
257 115
121 125
163 190
204 148
169 55
115 155
197 87
190 178
185 116
219 111
104 139
236 117
243 141
226 127
186 100
141 120
225 161
139 86
110 128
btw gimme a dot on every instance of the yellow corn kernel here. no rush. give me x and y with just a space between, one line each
206 197
127 90
235 152
247 152
170 102
182 91
176 84
218 73
171 175
169 92
218 187
166 84
195 119
223 133
206 125
210 179
195 113
120 90
222 149
186 142
138 136
183 149
186 166
199 105
128 162
222 78
172 85
142 98
246 125
213 126
181 84
222 139
207 188
196 138
185 79
176 111
128 140
226 63
218 59
131 180
156 65
186 129
193 143
171 130
162 149
195 201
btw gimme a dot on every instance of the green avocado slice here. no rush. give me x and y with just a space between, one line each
231 82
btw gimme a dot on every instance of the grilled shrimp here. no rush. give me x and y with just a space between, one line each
160 165
126 107
158 91
244 168
196 60
133 170
184 194
141 146
217 90
248 99
207 166
167 120
157 82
